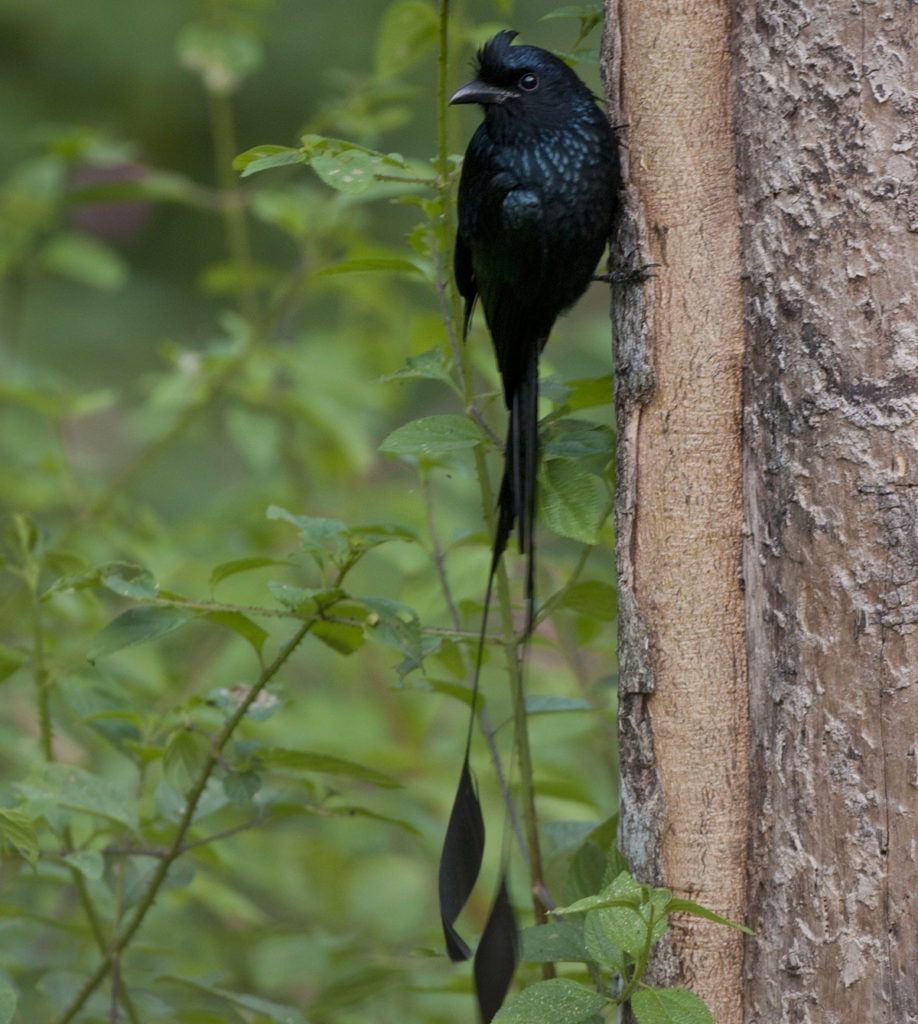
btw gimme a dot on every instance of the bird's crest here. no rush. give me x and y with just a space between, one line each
492 57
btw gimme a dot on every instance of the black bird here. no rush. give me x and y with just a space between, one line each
537 194
538 188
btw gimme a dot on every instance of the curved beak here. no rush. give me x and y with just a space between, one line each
480 92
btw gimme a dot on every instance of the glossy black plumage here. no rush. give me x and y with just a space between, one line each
536 199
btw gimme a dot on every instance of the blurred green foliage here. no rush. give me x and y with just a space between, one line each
231 414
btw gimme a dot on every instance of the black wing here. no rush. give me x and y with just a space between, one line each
465 280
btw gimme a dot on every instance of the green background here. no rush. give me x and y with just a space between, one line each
116 320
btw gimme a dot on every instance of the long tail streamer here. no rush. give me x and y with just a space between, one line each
463 849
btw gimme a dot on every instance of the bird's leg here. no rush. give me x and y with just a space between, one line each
634 275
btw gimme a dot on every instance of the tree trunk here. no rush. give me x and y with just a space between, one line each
831 484
821 122
683 717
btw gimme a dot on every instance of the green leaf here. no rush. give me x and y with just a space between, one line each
241 787
339 636
427 365
8 1000
458 691
138 626
372 265
17 830
262 158
222 57
601 949
407 33
362 812
589 392
434 435
185 756
554 941
90 863
577 439
241 625
559 1001
240 565
571 501
678 906
543 704
627 928
374 534
276 1012
595 599
587 872
68 786
395 624
669 1006
345 166
84 259
308 761
132 581
623 891
318 536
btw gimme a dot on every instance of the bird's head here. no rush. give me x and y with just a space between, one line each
523 84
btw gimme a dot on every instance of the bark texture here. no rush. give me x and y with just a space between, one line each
683 704
826 136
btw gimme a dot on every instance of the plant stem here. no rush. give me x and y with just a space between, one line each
233 203
40 677
177 847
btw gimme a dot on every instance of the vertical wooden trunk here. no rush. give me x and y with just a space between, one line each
683 701
825 138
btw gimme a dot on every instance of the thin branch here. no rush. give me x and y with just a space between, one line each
159 852
311 617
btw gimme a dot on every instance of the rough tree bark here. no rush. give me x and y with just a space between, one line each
679 403
821 125
826 130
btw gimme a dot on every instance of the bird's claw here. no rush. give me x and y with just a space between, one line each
635 275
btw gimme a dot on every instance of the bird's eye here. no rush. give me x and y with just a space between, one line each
529 82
